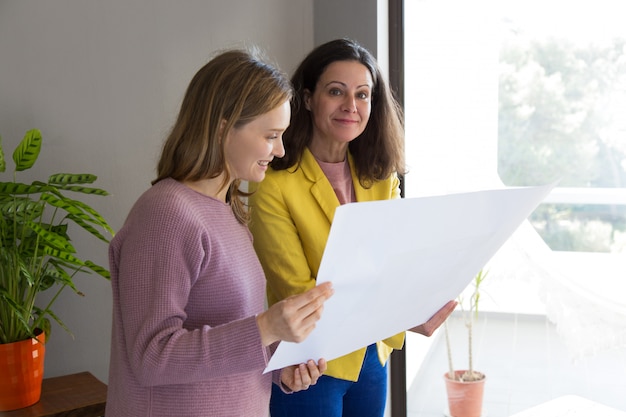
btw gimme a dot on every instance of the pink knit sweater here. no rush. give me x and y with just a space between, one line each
186 288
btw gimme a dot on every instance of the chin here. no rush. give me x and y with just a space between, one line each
257 178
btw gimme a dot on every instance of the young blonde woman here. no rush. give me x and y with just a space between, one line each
190 334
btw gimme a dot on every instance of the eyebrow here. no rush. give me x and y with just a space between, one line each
345 85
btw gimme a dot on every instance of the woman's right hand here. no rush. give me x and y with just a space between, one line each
300 377
294 318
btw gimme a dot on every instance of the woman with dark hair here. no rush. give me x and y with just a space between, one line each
344 144
190 334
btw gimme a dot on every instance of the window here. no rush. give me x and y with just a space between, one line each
508 93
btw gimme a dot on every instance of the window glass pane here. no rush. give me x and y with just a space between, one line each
582 227
561 110
562 101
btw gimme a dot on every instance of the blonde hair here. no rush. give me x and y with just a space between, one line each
232 89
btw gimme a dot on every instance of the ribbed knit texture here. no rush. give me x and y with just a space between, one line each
186 288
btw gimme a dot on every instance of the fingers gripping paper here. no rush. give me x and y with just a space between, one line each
394 263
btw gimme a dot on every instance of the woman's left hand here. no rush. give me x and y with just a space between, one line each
427 329
301 377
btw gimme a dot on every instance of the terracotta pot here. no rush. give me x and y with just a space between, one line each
465 399
21 372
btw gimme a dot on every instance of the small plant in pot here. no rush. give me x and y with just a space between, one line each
465 387
37 255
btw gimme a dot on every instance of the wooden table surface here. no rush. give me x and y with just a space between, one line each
76 395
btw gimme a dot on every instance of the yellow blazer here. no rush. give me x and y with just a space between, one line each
291 217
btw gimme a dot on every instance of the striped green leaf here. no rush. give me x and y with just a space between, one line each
55 240
80 213
20 188
60 274
26 153
79 221
21 207
64 203
98 269
67 179
100 221
66 266
67 257
84 190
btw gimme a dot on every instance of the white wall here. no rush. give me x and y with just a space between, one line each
103 81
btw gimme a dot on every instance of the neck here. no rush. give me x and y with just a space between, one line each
212 187
329 152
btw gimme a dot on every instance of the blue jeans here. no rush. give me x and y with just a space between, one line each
332 397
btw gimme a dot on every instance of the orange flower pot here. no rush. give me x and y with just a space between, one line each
465 398
21 372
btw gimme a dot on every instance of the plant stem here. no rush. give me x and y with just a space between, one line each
450 366
469 331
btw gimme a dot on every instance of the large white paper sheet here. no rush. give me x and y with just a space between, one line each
394 263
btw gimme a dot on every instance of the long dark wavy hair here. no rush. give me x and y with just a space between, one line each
379 150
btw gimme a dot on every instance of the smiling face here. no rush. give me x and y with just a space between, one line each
341 103
250 148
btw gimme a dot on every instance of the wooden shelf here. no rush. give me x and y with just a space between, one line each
76 395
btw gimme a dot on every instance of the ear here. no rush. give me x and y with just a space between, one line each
220 134
307 99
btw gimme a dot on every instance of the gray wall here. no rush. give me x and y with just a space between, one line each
357 20
103 81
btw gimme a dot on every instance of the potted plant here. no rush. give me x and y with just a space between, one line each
36 255
465 387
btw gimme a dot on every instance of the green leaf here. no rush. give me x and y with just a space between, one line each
84 190
44 325
22 208
77 214
64 203
19 313
20 188
47 281
82 223
60 275
55 240
68 257
58 320
25 155
66 179
98 269
97 218
60 264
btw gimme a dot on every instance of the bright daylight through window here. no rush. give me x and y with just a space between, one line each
511 93
561 115
534 91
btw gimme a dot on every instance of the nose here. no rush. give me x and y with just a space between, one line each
278 149
349 104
